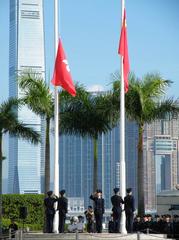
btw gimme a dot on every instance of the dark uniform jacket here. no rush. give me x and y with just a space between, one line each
99 205
116 201
137 226
129 205
62 205
49 204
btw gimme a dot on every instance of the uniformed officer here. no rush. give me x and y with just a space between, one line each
98 209
50 210
117 202
168 226
129 210
137 225
157 224
63 209
176 226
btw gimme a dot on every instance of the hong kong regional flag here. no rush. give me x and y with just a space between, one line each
61 75
123 51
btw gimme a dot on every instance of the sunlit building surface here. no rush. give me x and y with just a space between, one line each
26 51
161 151
76 163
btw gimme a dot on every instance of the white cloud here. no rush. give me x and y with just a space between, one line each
95 88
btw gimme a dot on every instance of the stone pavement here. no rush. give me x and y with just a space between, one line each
94 236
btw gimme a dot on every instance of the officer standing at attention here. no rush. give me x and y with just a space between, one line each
129 208
98 209
63 209
50 210
117 202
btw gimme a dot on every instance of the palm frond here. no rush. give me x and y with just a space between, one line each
36 93
87 114
19 130
10 123
166 107
154 85
7 106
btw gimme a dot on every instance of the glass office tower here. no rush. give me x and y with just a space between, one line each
76 163
26 51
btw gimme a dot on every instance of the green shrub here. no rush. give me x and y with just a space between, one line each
35 208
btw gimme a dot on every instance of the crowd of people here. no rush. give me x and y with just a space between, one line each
164 224
92 215
117 206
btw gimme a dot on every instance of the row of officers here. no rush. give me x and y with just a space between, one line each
91 215
164 224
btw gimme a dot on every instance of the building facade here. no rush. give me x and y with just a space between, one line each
76 163
161 161
26 51
161 158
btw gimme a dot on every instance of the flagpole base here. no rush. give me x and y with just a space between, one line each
123 224
55 223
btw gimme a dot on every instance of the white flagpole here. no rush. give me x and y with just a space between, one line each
56 123
122 141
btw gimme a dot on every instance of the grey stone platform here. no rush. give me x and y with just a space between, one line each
84 236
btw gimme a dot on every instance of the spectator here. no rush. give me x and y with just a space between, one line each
89 213
13 228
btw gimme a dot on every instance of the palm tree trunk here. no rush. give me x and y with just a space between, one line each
140 173
1 158
95 167
47 156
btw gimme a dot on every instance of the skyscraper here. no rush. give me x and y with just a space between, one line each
161 157
26 51
76 163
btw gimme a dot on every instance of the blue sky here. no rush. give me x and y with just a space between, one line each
90 32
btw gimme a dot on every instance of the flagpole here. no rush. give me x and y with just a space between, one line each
122 139
56 124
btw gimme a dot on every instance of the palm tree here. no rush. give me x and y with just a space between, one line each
144 103
39 99
87 115
9 123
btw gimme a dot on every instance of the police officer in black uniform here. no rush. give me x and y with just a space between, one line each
98 209
129 208
137 225
63 209
50 210
117 202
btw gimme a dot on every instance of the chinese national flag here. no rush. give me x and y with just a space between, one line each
123 51
61 75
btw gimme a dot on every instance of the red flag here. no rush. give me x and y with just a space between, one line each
123 51
61 75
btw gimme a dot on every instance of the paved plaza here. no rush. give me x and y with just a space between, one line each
95 236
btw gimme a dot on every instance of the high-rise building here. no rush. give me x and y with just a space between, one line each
26 51
161 158
166 173
161 161
76 163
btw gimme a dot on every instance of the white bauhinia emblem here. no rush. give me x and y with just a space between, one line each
67 66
